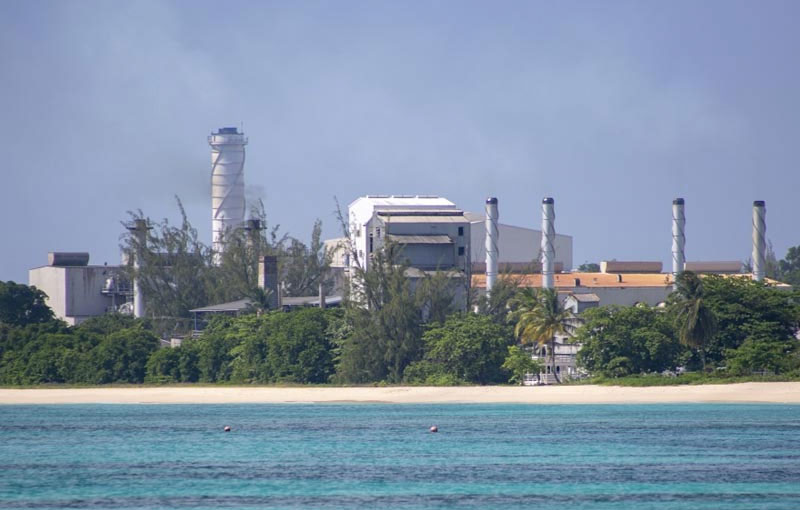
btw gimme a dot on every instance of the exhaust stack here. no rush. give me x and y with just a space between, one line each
548 240
492 239
139 229
759 239
268 279
678 238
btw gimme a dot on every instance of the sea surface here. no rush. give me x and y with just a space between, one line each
383 456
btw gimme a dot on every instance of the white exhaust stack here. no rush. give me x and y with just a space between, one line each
227 185
678 238
492 239
759 239
139 229
548 243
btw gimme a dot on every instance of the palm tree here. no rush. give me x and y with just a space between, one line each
696 321
260 300
540 317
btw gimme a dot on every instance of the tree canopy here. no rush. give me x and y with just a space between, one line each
21 304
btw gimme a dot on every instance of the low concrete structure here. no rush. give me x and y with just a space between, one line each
77 291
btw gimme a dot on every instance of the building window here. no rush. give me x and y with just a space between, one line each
370 243
461 251
378 232
461 231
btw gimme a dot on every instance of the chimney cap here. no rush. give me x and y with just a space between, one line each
677 201
491 200
548 200
759 203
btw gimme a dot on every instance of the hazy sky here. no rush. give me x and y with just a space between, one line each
612 108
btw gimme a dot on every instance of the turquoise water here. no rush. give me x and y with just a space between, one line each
382 456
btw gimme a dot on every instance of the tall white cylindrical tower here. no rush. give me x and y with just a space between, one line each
759 240
492 240
139 229
548 243
227 184
678 237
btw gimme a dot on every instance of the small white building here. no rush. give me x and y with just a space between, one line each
557 370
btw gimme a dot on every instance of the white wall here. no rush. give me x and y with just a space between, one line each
74 293
518 244
626 296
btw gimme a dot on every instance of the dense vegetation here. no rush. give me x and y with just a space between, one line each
393 331
749 328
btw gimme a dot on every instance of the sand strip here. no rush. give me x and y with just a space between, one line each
722 393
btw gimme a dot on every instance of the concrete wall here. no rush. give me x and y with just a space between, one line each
53 282
518 244
74 292
429 256
432 256
626 296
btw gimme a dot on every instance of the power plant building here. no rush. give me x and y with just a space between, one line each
433 232
77 291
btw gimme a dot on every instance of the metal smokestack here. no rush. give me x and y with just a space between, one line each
678 237
548 243
492 239
139 229
759 239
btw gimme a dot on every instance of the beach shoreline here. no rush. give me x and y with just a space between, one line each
751 392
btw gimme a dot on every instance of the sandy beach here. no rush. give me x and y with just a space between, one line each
723 393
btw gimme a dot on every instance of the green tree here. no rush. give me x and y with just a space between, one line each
173 266
763 353
589 267
519 362
539 317
496 303
745 308
163 366
385 321
306 267
789 267
622 340
435 295
236 274
696 322
122 356
21 304
469 348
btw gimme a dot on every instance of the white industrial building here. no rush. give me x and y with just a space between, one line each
518 247
77 291
433 232
417 218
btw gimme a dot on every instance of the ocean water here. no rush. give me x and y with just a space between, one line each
383 456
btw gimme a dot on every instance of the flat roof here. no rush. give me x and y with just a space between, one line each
431 218
606 280
405 200
420 239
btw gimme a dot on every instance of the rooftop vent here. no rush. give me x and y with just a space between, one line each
67 258
618 266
